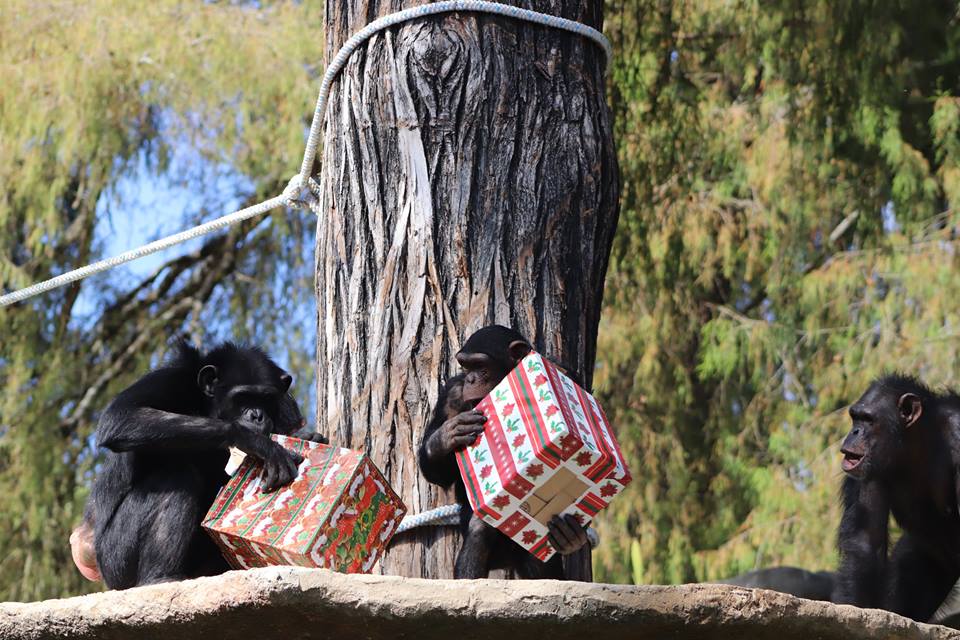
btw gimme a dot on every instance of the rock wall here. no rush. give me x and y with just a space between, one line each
292 603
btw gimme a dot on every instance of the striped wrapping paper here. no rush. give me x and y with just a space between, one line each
546 448
338 513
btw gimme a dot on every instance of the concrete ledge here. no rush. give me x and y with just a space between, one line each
292 603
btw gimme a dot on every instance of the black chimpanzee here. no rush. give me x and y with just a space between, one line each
486 357
812 585
902 456
167 437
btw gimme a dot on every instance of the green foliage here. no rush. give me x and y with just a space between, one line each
787 232
93 91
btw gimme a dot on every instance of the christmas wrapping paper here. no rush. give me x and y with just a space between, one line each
546 449
338 513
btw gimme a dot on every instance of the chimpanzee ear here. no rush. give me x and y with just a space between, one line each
285 381
207 379
518 349
910 408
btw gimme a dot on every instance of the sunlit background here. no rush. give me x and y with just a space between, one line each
787 232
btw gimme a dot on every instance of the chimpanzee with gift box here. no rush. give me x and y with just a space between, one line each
545 464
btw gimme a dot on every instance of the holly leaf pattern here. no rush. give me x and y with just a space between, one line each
523 456
480 455
513 424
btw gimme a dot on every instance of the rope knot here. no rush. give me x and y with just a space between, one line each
298 195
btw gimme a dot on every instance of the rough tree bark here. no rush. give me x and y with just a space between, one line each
468 177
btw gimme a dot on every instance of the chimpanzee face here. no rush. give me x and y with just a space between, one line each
257 408
487 357
879 421
249 391
480 375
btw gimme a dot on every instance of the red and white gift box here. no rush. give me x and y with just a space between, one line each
546 449
339 512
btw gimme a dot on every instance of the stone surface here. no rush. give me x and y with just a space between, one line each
314 603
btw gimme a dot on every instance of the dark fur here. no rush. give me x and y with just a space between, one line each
167 444
797 582
484 548
910 472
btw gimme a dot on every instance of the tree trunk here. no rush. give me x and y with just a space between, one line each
468 178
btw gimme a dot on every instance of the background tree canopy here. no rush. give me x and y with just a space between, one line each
787 232
195 107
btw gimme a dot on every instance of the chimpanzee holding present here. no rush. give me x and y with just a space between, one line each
167 439
486 357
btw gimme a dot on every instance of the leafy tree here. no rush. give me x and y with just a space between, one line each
211 98
788 232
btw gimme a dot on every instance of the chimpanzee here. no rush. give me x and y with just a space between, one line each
167 437
812 585
902 456
486 357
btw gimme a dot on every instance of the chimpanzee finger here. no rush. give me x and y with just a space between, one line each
468 429
306 433
268 476
470 417
554 542
461 442
578 530
559 533
293 466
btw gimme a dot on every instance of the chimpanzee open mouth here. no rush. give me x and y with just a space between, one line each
851 460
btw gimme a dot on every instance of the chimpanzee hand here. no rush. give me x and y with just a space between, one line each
565 534
306 433
279 464
456 433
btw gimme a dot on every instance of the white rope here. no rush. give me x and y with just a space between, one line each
441 516
145 250
302 191
480 6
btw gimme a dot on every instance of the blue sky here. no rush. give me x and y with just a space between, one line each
143 207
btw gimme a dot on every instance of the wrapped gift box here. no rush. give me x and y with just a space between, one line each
546 449
338 513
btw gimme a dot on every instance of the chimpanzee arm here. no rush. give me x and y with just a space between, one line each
163 412
143 429
440 470
862 540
